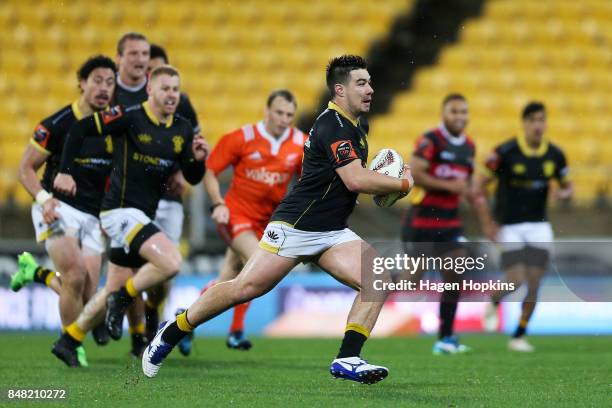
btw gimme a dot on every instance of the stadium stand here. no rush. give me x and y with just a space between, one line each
517 51
228 66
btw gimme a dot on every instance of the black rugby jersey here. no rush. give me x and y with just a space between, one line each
450 157
129 96
523 179
145 154
320 201
91 165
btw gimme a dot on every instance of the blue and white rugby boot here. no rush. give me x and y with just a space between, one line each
449 345
156 352
356 369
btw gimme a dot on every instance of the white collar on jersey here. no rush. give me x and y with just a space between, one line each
454 140
134 88
275 143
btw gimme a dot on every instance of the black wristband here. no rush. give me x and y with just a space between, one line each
212 207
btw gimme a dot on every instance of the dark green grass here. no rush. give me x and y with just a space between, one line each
564 372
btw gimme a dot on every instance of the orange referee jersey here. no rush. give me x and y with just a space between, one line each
263 168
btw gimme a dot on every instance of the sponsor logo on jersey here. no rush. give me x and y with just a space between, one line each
271 178
152 160
124 225
519 168
446 155
448 172
255 155
178 143
41 134
291 158
108 143
112 114
343 150
549 168
144 138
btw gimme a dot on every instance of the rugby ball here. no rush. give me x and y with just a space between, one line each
390 163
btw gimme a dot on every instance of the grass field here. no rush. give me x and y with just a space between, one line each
564 372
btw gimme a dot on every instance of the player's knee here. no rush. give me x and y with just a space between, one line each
246 291
74 279
172 264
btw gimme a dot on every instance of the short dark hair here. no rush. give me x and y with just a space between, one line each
163 70
339 68
97 61
455 96
283 93
533 107
126 37
158 52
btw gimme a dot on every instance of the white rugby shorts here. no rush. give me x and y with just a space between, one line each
72 222
514 237
169 219
122 224
282 239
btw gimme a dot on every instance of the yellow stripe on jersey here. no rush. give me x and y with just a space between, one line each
98 125
528 151
38 147
77 112
152 116
341 111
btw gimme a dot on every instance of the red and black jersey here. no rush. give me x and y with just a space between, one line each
449 157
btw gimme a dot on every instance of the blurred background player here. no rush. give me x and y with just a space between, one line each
442 166
141 256
134 63
265 156
523 167
169 216
69 226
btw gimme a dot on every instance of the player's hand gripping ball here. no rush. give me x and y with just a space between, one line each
390 163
